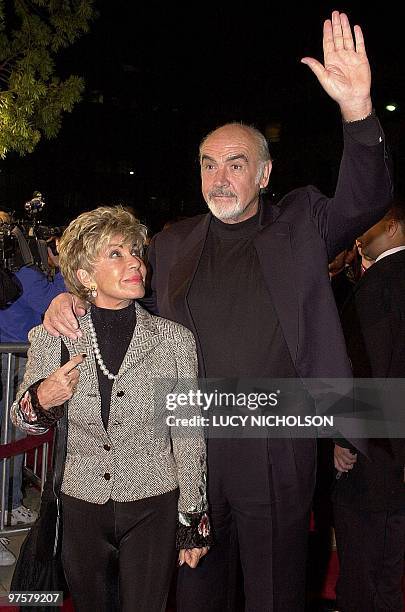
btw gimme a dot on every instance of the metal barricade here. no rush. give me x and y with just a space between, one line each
10 449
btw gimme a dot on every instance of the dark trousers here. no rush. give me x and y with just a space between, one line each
119 555
371 547
270 532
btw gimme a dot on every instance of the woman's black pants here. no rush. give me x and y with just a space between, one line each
119 555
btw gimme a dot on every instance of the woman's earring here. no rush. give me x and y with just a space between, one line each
93 291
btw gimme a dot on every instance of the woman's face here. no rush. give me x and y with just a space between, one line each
118 274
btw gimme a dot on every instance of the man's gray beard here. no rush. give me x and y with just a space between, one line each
226 212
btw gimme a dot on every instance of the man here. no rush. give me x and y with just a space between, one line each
252 283
369 498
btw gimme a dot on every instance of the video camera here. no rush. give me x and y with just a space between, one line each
26 242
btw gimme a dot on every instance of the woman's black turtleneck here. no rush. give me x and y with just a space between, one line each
114 330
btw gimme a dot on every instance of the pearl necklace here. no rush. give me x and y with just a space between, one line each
97 353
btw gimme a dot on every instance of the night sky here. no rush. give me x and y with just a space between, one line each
158 77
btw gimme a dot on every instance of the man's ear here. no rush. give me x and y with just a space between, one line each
392 227
264 181
84 277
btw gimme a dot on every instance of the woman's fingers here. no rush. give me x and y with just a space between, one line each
181 557
61 384
72 364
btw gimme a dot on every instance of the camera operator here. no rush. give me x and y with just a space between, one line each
16 320
53 257
9 289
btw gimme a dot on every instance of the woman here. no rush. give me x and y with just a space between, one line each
129 483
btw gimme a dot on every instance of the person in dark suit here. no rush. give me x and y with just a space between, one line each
251 281
369 498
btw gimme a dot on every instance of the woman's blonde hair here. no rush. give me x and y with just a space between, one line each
89 234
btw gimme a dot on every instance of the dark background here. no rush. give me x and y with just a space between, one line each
159 76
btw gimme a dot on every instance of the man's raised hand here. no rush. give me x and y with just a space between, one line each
60 319
345 75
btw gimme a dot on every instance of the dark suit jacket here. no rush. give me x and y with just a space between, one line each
373 321
296 240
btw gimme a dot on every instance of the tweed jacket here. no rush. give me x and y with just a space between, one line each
136 457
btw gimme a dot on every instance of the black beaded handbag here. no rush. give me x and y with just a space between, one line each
39 565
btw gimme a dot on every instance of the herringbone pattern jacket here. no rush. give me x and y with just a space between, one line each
137 457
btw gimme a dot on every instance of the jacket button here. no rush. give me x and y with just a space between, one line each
120 393
107 476
107 447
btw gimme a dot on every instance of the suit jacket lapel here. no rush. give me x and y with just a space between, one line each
273 246
182 274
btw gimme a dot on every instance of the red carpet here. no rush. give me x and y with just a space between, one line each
328 591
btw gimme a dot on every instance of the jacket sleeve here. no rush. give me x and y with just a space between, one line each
189 451
43 359
363 191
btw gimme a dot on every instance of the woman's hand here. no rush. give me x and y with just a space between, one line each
192 556
61 384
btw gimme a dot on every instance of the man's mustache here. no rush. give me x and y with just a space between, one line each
218 193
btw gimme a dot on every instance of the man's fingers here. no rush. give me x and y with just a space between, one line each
61 328
60 317
188 557
328 44
347 457
337 31
348 42
344 459
80 310
315 66
67 315
338 465
63 318
53 331
79 306
359 38
192 558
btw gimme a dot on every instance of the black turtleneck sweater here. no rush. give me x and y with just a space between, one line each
233 313
114 330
